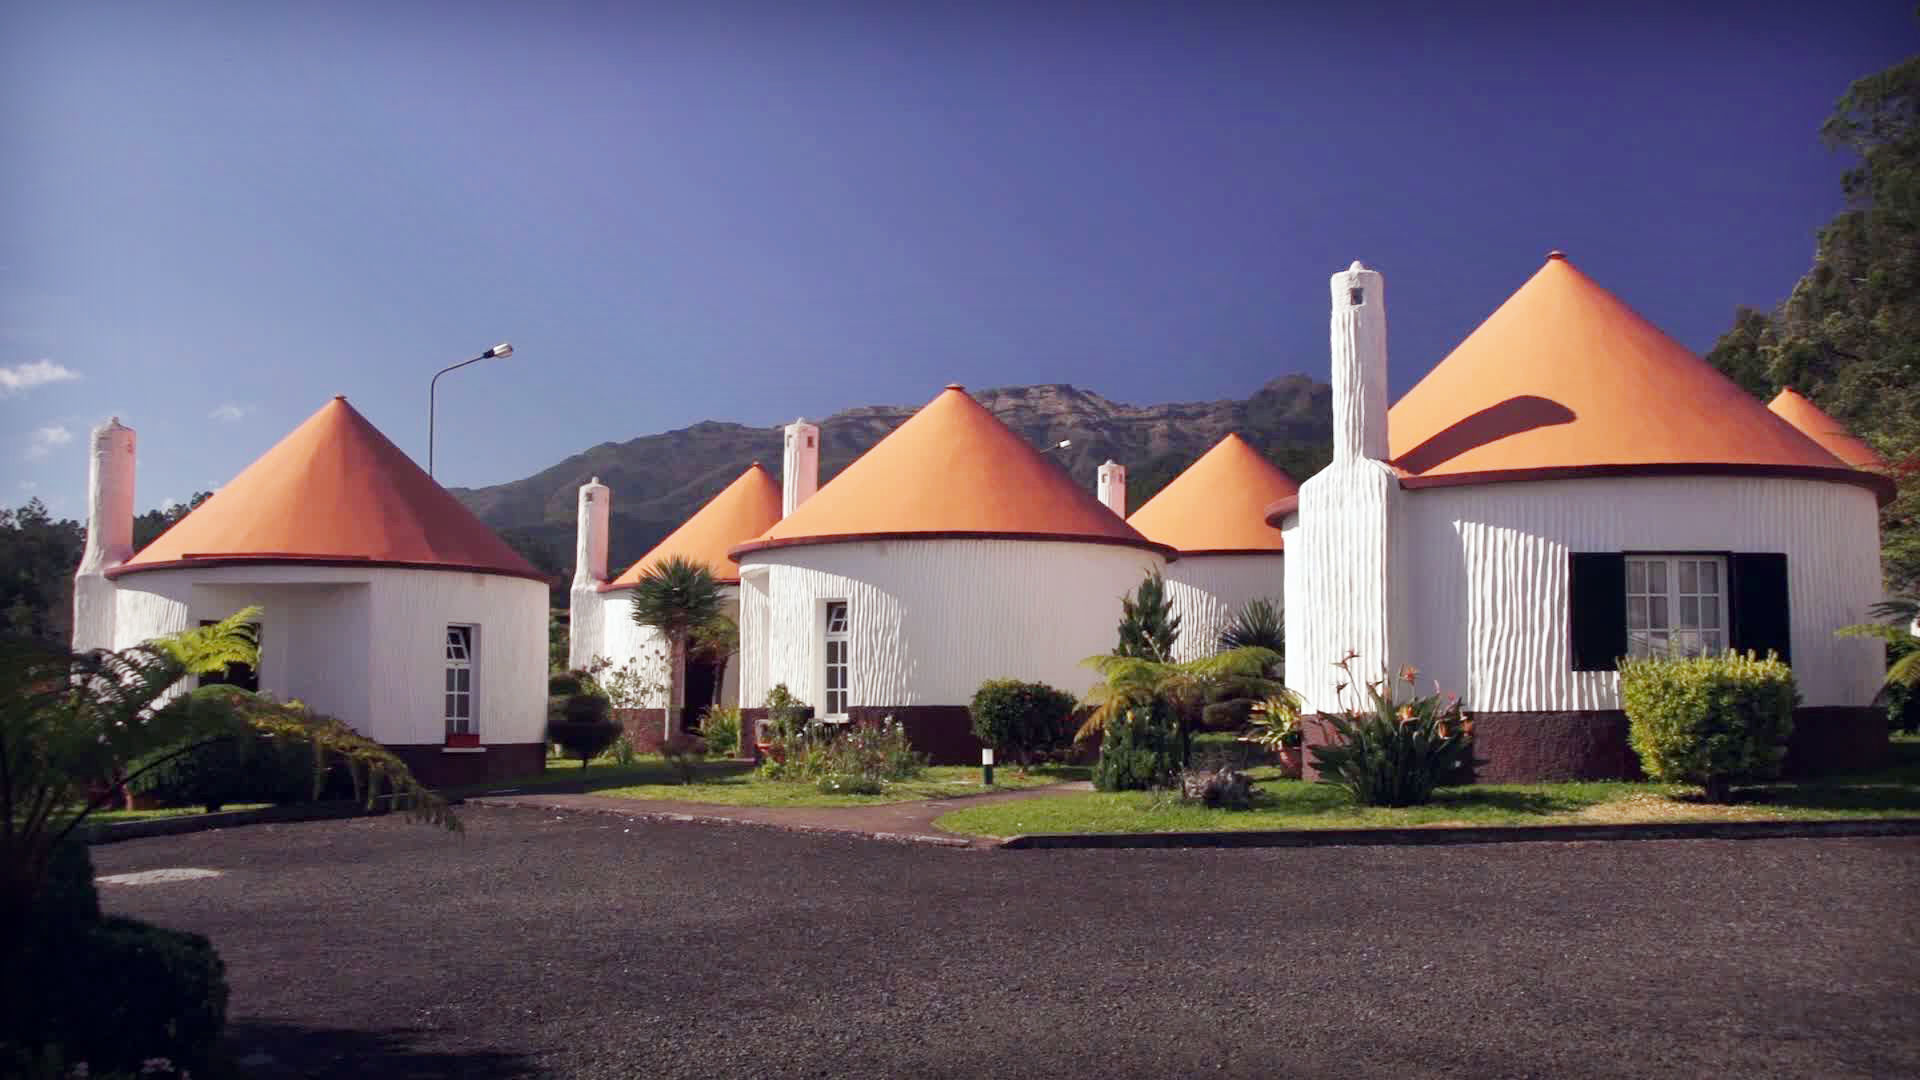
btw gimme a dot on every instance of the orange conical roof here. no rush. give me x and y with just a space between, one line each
1219 504
952 470
1564 377
333 491
743 510
1813 422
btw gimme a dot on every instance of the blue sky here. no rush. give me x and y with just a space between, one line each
215 216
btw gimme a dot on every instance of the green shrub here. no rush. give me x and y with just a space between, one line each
1709 720
1140 750
1392 753
622 751
786 714
235 770
721 728
844 784
1021 718
876 751
582 727
564 684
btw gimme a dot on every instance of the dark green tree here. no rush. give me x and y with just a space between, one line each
677 597
1148 626
37 558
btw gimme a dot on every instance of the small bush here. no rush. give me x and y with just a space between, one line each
1021 718
844 784
582 727
1141 750
1709 720
237 770
786 714
1394 753
877 751
721 728
622 750
683 752
564 683
1219 787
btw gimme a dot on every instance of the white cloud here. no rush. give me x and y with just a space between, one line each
29 485
43 440
23 377
229 412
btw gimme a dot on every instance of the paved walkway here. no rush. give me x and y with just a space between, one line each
908 821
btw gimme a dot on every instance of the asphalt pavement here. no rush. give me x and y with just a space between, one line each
543 943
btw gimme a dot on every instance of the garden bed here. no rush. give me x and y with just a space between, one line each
1292 804
735 783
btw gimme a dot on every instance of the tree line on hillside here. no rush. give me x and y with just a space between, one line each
39 554
1848 335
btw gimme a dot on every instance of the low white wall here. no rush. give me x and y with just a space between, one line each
1486 570
933 619
1207 591
367 645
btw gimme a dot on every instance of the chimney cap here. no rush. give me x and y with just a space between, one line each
955 386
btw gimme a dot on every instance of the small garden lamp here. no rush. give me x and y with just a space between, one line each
986 767
502 350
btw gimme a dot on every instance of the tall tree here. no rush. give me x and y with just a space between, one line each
676 596
1848 336
1148 626
37 558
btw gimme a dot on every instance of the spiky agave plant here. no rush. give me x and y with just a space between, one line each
1260 623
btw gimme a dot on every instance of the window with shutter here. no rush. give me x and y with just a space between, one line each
1760 616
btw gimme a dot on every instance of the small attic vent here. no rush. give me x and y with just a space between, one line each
1356 297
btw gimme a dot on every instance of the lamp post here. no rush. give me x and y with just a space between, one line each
1061 445
502 350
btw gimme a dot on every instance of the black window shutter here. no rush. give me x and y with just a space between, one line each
1757 605
1597 605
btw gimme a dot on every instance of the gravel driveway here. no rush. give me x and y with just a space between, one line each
582 945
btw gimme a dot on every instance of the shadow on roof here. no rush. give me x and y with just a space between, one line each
1491 424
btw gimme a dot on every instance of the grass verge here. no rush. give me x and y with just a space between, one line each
1292 804
734 783
109 817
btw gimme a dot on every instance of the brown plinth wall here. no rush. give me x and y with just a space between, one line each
1540 747
645 728
435 768
942 732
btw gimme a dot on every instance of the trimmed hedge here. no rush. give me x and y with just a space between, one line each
1709 720
1021 718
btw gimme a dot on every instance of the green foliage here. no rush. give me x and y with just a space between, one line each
36 588
842 784
149 526
1141 749
566 683
1182 689
683 753
623 752
786 714
1848 336
716 641
875 751
1148 627
1021 718
583 727
1275 722
677 596
237 770
1394 753
1260 624
720 727
1709 720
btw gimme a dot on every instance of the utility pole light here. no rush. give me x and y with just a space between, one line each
1061 445
500 351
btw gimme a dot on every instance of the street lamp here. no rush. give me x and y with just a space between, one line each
502 350
1061 445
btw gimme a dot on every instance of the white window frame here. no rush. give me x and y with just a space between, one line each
1660 609
455 667
834 700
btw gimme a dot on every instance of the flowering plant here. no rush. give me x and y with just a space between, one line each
1395 753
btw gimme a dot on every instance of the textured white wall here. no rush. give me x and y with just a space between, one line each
756 622
1487 576
933 619
367 645
586 633
1341 572
1358 336
1207 591
799 465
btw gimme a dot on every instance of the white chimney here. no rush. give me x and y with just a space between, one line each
799 466
1112 487
590 534
1359 364
109 534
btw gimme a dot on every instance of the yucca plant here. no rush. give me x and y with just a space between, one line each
1394 753
1261 623
677 597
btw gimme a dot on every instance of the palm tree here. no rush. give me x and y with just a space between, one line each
1901 632
717 641
676 596
1132 682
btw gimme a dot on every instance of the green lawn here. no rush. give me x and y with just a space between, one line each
108 817
736 784
1292 804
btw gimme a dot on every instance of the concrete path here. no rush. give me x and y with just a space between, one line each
906 821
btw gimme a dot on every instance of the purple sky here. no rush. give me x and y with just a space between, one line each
218 215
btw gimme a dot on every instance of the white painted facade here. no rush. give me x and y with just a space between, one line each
933 619
602 626
366 644
1207 591
799 465
1110 486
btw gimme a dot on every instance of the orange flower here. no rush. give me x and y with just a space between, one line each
1409 673
1406 714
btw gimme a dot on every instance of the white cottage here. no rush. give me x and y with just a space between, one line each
949 554
384 601
601 620
1570 486
1213 515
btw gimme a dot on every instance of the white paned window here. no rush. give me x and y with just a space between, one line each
1676 605
836 652
460 717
